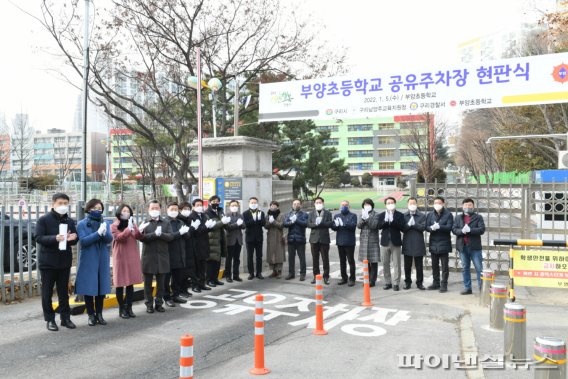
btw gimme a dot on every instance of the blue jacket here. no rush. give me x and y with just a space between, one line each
345 235
297 230
93 272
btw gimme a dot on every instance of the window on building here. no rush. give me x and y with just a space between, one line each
74 139
59 151
360 128
386 126
407 153
124 160
408 165
74 150
386 140
361 166
59 140
331 142
386 153
386 165
412 125
328 128
42 140
359 153
360 141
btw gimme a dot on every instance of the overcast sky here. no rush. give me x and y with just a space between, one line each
380 35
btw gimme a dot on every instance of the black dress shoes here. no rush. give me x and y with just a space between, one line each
218 282
406 286
52 326
101 320
170 303
259 276
342 282
68 324
229 280
250 277
237 279
387 287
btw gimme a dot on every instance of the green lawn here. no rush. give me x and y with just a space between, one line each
333 198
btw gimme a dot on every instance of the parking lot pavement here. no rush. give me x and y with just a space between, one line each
361 342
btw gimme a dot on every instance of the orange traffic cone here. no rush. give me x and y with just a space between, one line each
319 330
366 286
259 368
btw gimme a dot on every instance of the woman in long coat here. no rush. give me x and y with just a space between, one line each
275 239
126 268
93 272
369 247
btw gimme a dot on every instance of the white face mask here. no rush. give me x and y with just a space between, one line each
438 207
412 207
62 209
124 216
253 206
368 208
198 209
319 206
391 207
173 214
185 213
154 214
234 209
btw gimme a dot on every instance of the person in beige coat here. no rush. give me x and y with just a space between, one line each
275 240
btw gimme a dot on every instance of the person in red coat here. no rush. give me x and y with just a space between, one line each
126 267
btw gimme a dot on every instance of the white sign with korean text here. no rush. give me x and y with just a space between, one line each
540 79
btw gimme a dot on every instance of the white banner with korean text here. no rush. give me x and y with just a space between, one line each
540 79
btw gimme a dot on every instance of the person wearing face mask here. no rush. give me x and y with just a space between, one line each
234 226
93 270
345 224
190 277
216 222
254 220
319 221
275 240
391 223
439 224
413 246
369 239
469 227
126 267
199 245
296 221
55 260
157 233
174 279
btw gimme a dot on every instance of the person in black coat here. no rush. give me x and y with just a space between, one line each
469 227
174 279
319 221
234 242
200 244
413 246
345 224
54 260
296 221
156 235
391 223
254 220
190 278
439 224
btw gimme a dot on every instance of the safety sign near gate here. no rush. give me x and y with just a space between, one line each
539 79
540 268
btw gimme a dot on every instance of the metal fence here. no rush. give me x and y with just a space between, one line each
513 211
19 251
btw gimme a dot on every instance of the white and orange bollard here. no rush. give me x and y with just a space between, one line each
319 330
259 368
366 285
186 357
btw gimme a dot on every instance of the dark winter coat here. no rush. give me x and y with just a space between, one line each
199 237
440 240
46 231
413 243
477 226
217 237
155 250
345 234
177 245
320 233
390 231
296 230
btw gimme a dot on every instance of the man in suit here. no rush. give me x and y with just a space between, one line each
296 221
413 246
234 242
439 224
54 260
391 223
345 224
254 220
319 221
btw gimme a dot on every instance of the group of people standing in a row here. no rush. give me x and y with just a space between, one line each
184 250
